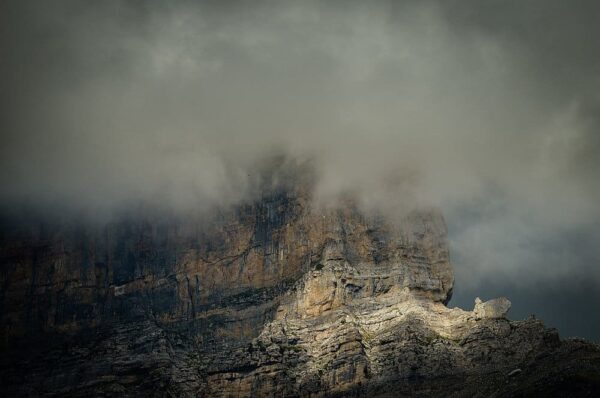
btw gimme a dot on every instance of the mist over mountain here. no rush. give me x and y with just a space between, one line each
278 295
299 198
487 110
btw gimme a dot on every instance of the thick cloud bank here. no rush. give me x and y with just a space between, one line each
487 109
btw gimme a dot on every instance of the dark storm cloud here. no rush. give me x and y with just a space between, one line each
487 109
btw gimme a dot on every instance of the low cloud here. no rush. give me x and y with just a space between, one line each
488 110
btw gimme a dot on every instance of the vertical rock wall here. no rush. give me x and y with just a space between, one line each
278 297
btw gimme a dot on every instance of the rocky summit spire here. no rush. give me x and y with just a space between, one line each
276 297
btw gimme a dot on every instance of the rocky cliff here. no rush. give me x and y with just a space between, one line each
279 297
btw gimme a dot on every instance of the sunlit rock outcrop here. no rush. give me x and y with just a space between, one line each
279 297
496 308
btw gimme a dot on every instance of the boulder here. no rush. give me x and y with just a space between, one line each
495 308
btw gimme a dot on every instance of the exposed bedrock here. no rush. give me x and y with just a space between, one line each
274 298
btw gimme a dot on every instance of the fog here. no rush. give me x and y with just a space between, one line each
488 110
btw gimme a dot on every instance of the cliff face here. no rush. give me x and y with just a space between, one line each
274 298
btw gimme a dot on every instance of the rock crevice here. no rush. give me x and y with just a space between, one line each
276 298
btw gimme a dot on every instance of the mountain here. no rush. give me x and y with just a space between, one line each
276 297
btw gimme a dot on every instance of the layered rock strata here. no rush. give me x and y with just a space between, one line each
275 298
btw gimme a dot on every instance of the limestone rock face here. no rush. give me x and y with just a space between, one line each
275 298
496 308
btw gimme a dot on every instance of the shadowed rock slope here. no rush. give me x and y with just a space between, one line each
275 298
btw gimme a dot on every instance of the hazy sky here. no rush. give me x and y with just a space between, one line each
487 109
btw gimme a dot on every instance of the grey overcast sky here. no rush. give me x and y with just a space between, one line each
489 110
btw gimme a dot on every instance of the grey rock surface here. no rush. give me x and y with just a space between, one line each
495 308
274 298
